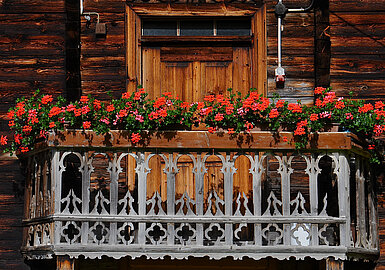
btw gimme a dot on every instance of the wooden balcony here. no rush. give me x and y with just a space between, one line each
192 193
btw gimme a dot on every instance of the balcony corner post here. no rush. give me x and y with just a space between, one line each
343 196
56 168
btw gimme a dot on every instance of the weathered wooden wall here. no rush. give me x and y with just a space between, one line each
357 30
103 59
11 213
31 48
32 56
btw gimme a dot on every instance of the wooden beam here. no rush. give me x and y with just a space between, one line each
198 140
65 263
332 264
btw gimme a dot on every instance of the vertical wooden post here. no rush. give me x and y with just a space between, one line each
313 172
257 170
228 169
65 263
172 170
199 190
332 264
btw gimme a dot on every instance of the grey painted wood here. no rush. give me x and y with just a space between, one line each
189 226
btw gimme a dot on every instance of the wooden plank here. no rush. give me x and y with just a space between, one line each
332 264
216 78
351 19
198 140
357 6
242 74
259 52
111 6
100 88
11 213
302 19
292 31
65 263
170 80
151 71
183 54
182 10
369 89
358 45
294 88
372 31
292 46
198 40
295 67
131 50
32 6
358 66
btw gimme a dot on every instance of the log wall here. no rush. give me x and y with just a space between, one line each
38 44
32 56
357 30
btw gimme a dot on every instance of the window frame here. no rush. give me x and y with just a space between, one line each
135 12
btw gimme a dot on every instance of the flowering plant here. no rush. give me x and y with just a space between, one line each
33 117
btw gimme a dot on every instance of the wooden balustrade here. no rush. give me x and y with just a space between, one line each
183 194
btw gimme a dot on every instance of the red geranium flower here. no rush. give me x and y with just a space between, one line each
46 99
211 129
218 117
3 140
84 99
86 124
135 137
27 129
18 138
110 108
273 113
313 117
319 90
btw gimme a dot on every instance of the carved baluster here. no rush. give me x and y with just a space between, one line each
142 170
199 171
57 168
342 171
285 170
114 169
228 171
85 169
360 197
312 170
373 219
170 169
256 169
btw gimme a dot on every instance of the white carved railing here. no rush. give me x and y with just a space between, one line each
180 203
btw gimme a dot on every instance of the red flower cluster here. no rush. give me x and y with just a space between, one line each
135 137
46 99
300 130
3 140
86 124
273 113
294 107
54 111
319 90
365 108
